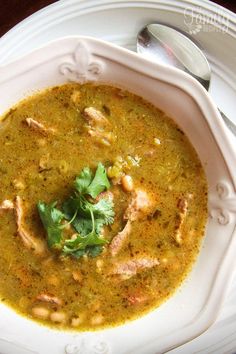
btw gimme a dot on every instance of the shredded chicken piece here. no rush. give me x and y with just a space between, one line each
140 205
95 118
18 184
77 276
131 267
118 241
34 124
49 298
183 205
137 299
29 241
7 205
183 208
102 137
99 127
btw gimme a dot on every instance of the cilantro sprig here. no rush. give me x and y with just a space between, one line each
51 218
87 217
80 243
85 183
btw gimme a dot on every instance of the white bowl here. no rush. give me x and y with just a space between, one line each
195 305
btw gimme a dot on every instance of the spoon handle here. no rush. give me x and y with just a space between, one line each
229 123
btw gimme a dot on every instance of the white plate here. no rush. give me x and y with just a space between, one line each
119 21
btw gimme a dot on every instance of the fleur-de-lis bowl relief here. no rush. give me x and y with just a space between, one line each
195 305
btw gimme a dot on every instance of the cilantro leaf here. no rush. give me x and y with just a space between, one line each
99 183
70 206
85 184
84 225
81 242
103 213
93 251
82 222
77 254
83 180
51 218
103 210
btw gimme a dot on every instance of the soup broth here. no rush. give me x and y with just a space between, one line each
148 205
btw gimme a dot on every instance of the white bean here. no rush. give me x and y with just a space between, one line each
127 183
58 317
97 319
76 321
41 312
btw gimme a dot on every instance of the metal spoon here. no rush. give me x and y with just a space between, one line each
168 46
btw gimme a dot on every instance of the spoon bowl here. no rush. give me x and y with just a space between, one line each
168 46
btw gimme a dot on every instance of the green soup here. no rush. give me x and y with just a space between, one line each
159 192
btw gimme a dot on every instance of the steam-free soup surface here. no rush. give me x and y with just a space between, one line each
157 196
